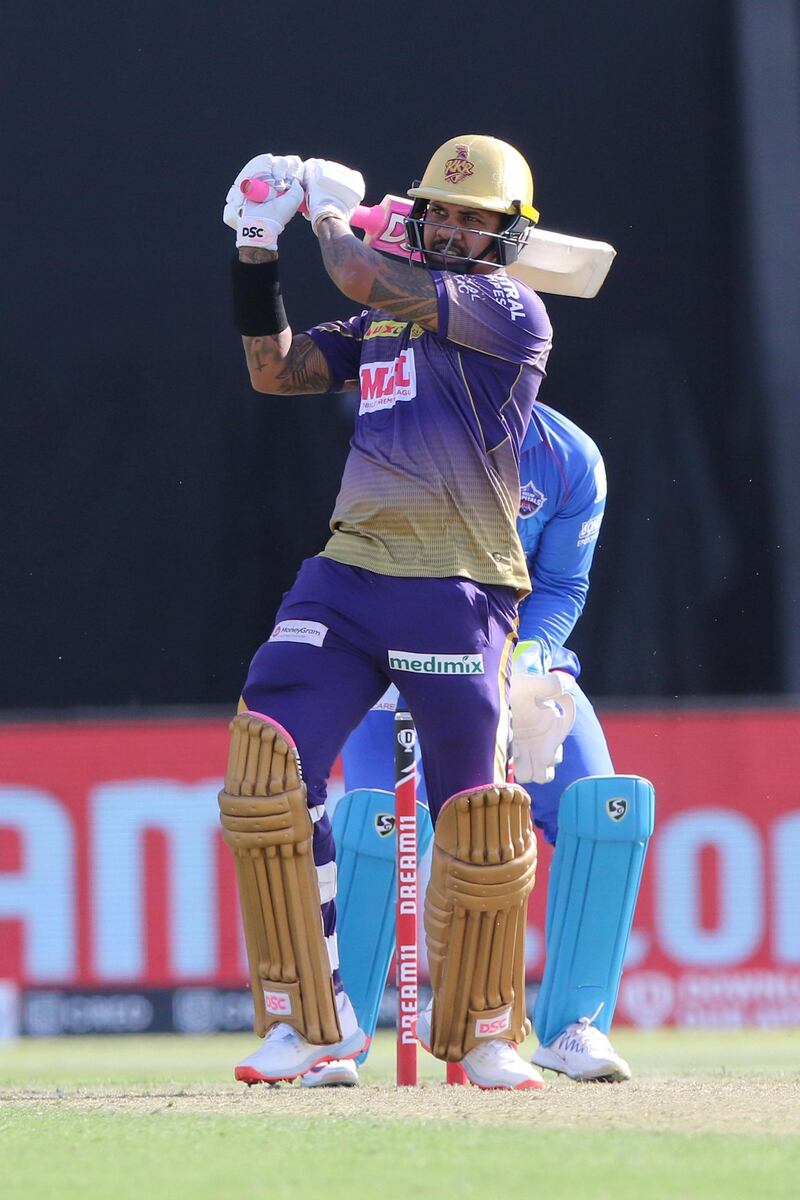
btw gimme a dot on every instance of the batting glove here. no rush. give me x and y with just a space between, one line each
332 190
260 225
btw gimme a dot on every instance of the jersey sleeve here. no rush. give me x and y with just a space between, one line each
340 343
495 315
560 567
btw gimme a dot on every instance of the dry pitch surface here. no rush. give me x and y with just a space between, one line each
704 1105
732 1083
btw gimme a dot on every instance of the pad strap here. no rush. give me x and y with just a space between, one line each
483 870
266 823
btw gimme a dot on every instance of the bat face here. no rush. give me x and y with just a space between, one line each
555 263
562 265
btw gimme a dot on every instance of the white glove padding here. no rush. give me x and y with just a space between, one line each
331 190
542 714
260 224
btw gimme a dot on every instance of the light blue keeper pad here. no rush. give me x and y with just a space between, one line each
604 823
366 854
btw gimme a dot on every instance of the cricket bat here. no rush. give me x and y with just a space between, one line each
556 263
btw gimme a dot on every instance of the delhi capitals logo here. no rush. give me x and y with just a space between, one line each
530 500
616 808
460 167
384 824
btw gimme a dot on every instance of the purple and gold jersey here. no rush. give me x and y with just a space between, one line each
431 484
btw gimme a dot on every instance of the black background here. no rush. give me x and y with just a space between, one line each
155 508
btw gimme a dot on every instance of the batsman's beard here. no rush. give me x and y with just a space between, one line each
450 253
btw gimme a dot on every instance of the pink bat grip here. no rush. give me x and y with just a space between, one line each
371 220
257 190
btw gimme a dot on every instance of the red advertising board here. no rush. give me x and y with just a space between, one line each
717 931
113 873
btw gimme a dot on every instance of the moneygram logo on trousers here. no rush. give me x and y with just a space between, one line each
311 632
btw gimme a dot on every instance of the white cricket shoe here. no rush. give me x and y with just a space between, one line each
284 1054
491 1065
339 1072
424 1027
498 1064
583 1053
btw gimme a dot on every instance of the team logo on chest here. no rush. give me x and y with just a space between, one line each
530 499
384 383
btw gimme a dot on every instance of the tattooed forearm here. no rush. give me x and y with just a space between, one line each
364 275
305 368
405 291
252 254
285 366
262 354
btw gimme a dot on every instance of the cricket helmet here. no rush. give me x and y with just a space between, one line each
481 172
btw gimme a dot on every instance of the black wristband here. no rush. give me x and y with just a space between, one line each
257 302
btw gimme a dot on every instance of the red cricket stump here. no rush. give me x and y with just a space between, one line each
405 773
407 904
456 1075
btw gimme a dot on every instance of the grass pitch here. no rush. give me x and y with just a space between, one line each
706 1116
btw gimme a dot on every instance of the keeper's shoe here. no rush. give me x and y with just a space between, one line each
341 1072
284 1054
493 1065
585 1054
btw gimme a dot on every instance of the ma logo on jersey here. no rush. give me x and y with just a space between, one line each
530 499
384 383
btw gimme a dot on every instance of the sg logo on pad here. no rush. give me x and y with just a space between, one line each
616 808
384 824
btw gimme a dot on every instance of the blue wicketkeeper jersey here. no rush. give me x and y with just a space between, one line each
562 500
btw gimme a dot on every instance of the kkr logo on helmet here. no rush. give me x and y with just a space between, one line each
616 808
530 499
384 824
460 167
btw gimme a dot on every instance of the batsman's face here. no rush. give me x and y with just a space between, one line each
452 232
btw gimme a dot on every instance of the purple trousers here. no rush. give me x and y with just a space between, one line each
343 634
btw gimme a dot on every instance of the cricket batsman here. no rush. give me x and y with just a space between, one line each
417 586
558 740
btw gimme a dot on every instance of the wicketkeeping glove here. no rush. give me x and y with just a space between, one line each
331 190
259 225
542 715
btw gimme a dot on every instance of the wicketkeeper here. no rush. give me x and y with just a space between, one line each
418 586
558 740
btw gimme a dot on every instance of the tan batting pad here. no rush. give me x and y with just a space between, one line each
266 823
483 870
